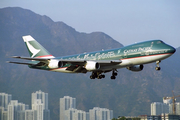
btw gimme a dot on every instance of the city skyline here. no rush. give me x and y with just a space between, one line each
165 107
15 110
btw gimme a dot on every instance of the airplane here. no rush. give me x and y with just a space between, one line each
132 57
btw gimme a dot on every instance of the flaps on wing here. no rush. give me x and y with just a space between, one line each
109 61
78 69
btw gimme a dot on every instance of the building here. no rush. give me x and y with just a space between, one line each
80 115
38 106
167 100
15 110
4 115
177 107
170 117
74 114
39 102
5 100
66 103
68 114
100 114
150 117
40 95
30 115
157 108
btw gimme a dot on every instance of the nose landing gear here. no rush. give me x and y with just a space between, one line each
158 67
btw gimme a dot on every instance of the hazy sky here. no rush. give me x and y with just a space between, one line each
127 21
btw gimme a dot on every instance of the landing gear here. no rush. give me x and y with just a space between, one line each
158 67
97 75
114 74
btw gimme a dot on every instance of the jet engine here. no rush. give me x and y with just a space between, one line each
91 65
53 64
136 68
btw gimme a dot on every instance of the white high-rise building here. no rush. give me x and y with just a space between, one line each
5 100
177 106
14 110
74 114
157 108
40 95
68 114
80 115
38 106
30 115
39 102
100 114
66 103
4 115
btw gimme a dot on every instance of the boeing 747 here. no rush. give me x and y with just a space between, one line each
132 57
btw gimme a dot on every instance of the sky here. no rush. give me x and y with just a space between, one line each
127 21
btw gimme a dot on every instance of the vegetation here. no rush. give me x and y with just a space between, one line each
124 118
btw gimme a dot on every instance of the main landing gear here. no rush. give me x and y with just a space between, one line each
99 75
114 74
158 67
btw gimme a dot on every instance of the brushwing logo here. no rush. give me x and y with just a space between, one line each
33 50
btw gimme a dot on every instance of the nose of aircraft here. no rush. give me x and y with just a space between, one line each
172 49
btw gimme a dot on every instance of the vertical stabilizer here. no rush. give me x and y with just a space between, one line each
35 49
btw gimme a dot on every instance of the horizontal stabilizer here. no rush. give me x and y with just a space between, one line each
29 58
21 63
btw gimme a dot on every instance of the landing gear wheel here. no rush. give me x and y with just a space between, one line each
92 77
114 74
100 76
97 75
158 68
113 77
103 76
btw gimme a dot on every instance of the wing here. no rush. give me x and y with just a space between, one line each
73 65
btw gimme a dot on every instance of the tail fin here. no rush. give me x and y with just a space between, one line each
35 49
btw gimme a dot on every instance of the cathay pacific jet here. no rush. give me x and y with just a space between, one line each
132 57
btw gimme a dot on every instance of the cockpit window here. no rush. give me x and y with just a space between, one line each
160 42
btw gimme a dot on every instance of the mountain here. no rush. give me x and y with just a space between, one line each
130 94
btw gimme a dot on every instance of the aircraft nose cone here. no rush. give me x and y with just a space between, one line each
172 49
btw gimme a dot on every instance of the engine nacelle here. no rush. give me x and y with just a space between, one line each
53 64
91 65
136 68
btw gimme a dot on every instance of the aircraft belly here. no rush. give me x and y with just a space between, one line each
144 59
